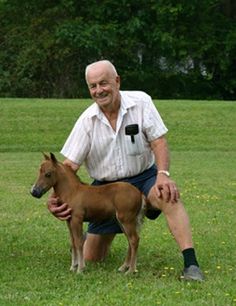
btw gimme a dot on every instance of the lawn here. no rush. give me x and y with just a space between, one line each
35 256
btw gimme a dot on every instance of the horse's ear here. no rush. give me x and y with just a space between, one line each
53 158
45 156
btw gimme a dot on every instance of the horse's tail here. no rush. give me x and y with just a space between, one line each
140 216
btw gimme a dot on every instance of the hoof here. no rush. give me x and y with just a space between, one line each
73 268
76 270
123 268
80 271
131 271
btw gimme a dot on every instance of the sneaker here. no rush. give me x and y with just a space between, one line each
192 273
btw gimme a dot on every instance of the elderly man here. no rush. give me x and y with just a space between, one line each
121 137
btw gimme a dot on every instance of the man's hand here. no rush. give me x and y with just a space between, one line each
166 188
58 209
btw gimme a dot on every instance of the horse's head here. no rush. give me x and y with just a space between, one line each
47 176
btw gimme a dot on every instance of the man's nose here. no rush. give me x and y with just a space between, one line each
99 89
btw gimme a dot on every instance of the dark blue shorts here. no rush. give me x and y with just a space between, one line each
143 181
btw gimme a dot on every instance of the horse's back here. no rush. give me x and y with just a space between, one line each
101 202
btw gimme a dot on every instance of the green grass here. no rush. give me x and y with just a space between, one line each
34 246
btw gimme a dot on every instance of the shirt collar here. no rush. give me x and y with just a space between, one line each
126 103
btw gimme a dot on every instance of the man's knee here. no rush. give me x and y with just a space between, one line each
163 205
96 247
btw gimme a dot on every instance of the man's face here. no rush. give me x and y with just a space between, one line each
103 85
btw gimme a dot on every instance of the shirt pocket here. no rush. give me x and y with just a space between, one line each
134 145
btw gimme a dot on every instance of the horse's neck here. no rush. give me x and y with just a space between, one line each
67 183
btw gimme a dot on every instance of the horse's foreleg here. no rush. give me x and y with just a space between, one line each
76 230
74 256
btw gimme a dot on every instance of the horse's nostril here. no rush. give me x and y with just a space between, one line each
36 192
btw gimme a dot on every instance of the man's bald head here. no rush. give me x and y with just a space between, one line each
104 65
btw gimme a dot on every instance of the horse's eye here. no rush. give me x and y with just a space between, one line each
48 174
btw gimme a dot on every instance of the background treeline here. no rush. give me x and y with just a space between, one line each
171 49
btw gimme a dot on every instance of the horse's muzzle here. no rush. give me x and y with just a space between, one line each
37 192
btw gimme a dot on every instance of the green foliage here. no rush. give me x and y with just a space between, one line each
35 255
172 50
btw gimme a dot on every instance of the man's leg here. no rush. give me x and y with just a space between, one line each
96 247
178 222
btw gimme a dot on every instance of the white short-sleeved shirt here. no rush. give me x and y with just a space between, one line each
110 155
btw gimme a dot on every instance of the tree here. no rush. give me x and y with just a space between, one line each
172 50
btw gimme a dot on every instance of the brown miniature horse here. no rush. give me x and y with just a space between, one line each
92 203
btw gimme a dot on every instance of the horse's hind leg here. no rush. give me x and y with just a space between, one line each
130 230
125 266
